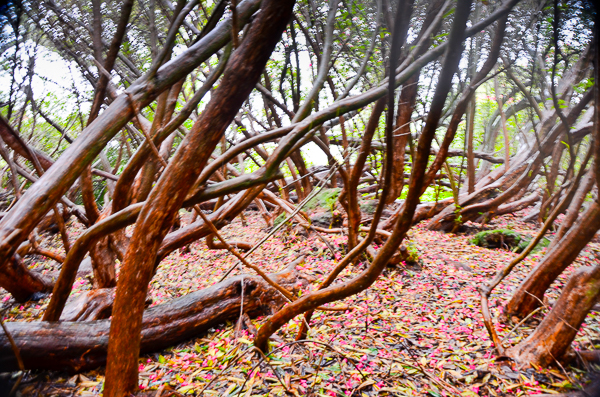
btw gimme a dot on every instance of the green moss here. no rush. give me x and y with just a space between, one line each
324 199
413 254
511 239
368 207
497 238
544 243
279 219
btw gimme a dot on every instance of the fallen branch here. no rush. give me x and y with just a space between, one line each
78 346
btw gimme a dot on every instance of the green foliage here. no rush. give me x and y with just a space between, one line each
513 240
413 254
496 238
279 219
544 243
326 198
430 193
457 215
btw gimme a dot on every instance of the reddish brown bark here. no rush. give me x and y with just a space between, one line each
43 195
85 242
303 171
111 57
123 188
348 196
457 116
87 195
217 245
21 282
406 105
368 277
518 205
103 264
530 293
199 229
551 179
14 141
573 211
519 176
91 305
77 346
553 337
240 77
103 259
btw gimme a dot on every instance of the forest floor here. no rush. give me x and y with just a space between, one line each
417 331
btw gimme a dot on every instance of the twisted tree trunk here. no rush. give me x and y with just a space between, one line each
43 195
552 338
406 105
530 293
169 193
574 208
21 282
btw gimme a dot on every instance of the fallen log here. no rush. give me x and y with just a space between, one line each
96 304
591 356
518 205
78 346
422 212
92 305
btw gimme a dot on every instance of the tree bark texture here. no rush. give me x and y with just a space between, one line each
518 177
370 275
78 346
554 335
43 195
406 105
21 282
156 217
573 211
531 291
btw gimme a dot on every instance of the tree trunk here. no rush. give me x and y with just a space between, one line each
242 73
552 338
531 292
103 264
303 171
42 196
574 207
348 197
21 282
78 346
88 306
551 179
519 176
366 278
406 105
470 156
518 205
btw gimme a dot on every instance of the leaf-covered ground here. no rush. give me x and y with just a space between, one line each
417 331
